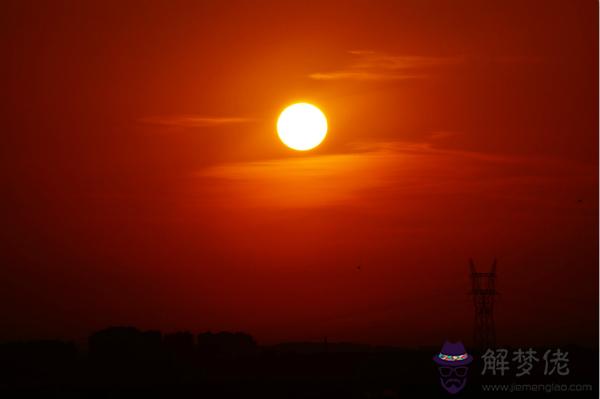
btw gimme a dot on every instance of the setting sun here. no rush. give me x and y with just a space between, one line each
336 198
302 126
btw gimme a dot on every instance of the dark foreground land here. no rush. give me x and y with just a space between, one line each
124 361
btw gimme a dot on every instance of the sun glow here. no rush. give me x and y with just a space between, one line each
302 126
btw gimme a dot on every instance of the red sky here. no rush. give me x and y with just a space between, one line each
144 183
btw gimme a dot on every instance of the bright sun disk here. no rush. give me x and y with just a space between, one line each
302 126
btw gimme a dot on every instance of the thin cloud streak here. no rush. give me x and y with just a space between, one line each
373 173
191 121
363 75
371 65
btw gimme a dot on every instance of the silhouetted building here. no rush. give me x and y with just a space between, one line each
226 344
179 346
125 343
36 362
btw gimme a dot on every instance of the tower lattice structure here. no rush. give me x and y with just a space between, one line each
483 291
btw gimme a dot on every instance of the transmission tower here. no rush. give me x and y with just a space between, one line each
483 291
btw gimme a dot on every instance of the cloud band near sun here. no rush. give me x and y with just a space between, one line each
371 65
194 121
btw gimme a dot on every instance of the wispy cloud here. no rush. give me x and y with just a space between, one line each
442 135
381 175
194 120
363 75
348 178
371 65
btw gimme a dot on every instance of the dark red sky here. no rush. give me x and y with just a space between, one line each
143 181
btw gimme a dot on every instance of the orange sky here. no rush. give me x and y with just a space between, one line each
144 182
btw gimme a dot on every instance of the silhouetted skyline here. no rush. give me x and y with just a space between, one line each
230 364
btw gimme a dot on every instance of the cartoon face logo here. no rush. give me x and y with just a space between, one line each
453 366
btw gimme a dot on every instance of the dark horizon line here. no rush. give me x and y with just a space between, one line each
324 341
